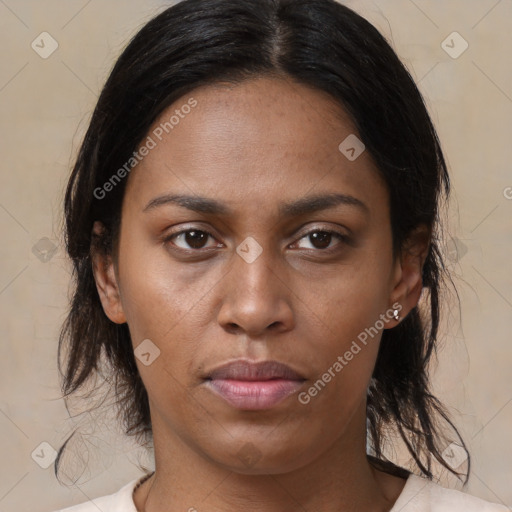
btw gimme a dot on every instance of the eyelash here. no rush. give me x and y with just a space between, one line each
340 236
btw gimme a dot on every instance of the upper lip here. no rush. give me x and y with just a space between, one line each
242 369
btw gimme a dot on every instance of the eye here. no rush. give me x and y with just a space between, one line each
196 240
321 239
191 239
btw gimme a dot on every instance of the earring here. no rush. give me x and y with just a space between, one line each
396 315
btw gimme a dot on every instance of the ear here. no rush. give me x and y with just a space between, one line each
106 281
407 277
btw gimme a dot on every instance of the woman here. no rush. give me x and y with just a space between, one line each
252 219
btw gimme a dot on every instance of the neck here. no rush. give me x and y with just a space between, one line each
340 479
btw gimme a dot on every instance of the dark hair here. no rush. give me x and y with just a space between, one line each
318 43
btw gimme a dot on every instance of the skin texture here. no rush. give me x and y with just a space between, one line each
253 146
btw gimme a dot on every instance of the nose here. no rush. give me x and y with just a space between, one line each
256 297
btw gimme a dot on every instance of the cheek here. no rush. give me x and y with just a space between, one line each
351 297
343 319
171 306
160 296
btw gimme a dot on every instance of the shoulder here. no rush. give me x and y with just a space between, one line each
120 501
422 495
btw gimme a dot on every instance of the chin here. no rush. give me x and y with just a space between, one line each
252 458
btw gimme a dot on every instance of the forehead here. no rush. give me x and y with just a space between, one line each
252 143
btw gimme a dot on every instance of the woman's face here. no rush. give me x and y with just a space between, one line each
255 275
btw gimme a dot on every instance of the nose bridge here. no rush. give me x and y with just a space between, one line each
254 269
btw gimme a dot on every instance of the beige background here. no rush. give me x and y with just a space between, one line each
44 108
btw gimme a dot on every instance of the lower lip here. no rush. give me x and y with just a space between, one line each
254 395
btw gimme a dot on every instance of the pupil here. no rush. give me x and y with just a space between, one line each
195 239
321 239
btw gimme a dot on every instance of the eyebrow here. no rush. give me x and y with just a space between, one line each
302 206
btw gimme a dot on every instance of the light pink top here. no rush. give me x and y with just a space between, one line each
418 495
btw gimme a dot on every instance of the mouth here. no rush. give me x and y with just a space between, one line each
254 386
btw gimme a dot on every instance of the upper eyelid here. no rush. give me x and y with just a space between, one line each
309 230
